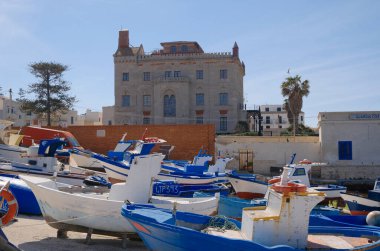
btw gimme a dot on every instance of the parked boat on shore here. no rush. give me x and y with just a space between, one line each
71 208
361 205
273 227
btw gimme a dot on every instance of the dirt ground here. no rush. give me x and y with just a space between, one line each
32 233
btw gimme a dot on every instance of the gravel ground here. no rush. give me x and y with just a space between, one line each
32 233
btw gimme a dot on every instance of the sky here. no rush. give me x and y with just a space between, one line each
335 44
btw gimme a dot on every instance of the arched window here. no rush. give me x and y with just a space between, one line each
169 106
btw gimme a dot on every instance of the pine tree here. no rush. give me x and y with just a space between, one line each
50 91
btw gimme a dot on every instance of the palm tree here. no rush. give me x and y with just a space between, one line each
294 90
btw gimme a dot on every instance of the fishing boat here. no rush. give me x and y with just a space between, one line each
83 158
97 209
117 171
282 225
300 173
361 205
40 160
27 202
173 188
248 186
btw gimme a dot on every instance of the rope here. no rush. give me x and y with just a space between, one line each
221 223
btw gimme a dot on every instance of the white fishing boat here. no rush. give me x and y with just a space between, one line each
71 208
248 186
39 160
300 172
83 158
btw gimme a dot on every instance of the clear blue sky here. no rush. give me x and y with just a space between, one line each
335 44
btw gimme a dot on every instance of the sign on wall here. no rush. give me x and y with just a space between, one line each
365 116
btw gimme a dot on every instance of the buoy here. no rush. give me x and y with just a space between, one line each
373 218
289 187
12 206
274 180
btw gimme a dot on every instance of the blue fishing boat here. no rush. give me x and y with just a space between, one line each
27 202
284 224
172 188
361 205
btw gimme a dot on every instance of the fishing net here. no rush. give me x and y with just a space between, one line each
220 223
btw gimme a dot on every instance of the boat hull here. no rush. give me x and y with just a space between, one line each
331 191
194 180
162 231
85 162
80 211
248 189
360 205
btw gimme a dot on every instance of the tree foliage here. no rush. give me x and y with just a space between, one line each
51 91
294 89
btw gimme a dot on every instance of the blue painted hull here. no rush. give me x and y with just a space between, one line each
360 209
170 188
160 230
27 202
232 207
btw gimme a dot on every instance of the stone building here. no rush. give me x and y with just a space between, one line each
178 84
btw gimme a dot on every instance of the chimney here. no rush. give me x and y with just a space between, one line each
235 50
123 39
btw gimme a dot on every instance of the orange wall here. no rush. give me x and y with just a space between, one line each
187 139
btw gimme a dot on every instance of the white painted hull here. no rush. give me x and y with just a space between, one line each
84 161
79 210
115 172
75 180
182 180
330 193
247 187
86 172
360 200
11 153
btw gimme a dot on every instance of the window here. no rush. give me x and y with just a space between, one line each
279 119
301 118
12 110
223 123
223 98
199 74
280 126
146 76
267 109
173 49
125 100
223 74
267 120
184 48
146 121
199 120
109 122
72 120
9 109
19 116
29 113
279 109
345 150
177 74
299 172
125 76
147 100
267 127
169 106
199 99
168 74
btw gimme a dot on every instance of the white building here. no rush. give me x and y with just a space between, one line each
275 119
350 138
10 110
108 115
